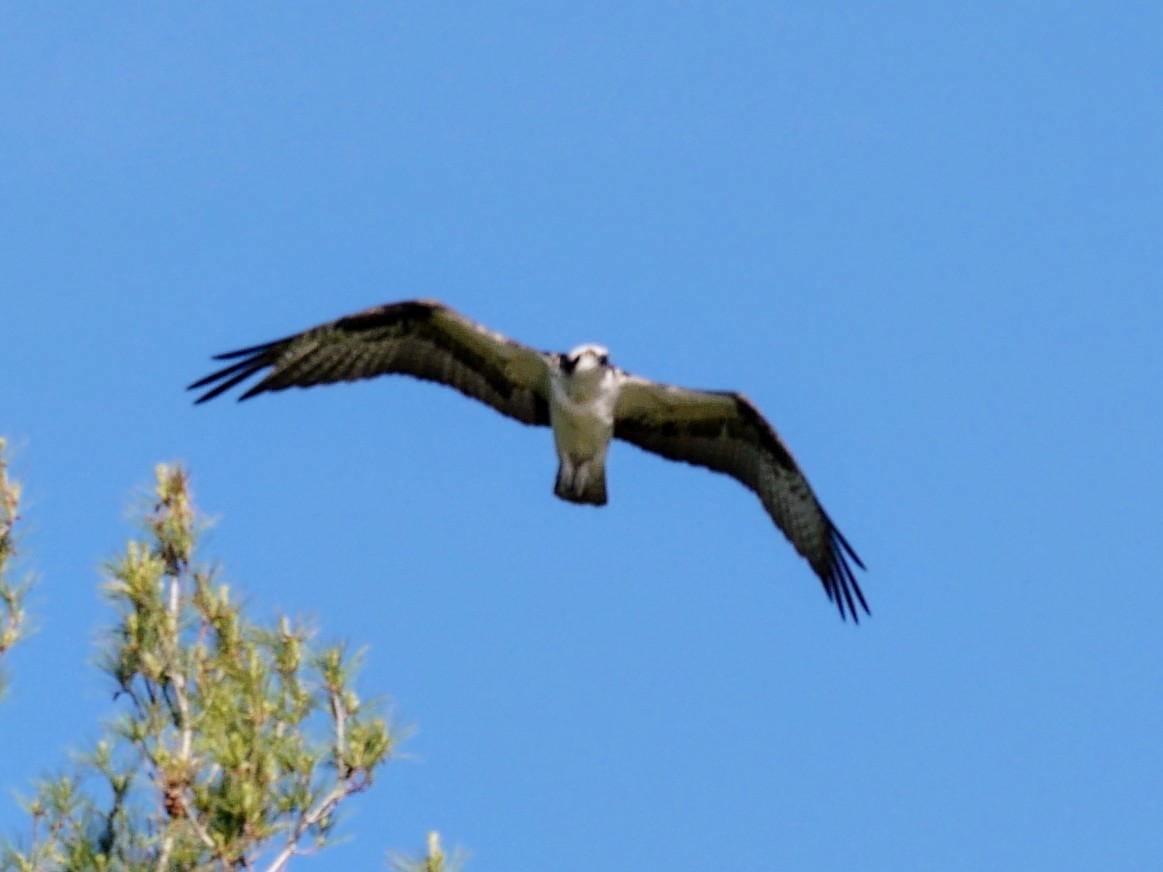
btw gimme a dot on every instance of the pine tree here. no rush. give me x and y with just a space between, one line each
234 745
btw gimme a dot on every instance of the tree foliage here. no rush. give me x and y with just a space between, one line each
12 593
233 745
434 860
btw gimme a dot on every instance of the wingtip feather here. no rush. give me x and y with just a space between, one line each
224 379
839 579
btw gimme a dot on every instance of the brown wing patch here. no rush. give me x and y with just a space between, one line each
419 338
724 432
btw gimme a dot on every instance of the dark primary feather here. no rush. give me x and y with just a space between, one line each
724 432
422 339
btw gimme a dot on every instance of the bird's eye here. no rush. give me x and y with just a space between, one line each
604 360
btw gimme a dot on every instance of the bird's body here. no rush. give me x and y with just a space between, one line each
586 401
582 399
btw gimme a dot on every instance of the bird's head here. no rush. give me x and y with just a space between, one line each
586 358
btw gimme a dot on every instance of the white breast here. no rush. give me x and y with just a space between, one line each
581 412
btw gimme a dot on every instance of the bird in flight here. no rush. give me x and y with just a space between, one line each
584 399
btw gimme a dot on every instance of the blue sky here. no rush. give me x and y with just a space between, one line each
924 239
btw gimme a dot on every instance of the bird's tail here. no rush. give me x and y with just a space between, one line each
584 483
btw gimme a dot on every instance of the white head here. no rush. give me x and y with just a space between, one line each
585 358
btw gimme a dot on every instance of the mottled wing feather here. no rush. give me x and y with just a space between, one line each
724 432
423 339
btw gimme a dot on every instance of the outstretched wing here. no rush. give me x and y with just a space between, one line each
420 338
723 431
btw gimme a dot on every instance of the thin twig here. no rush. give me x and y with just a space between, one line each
199 830
324 808
339 712
348 783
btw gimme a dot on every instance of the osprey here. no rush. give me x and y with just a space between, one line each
580 395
